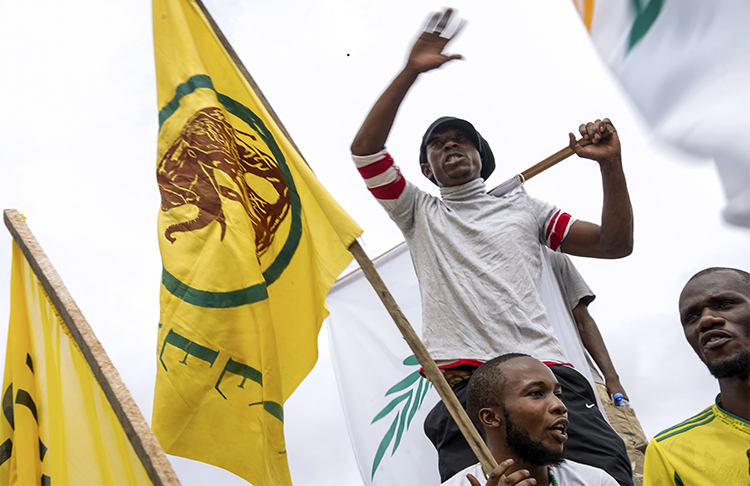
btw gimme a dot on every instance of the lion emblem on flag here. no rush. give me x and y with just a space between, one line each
212 163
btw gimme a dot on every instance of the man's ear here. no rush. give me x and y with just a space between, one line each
491 417
426 170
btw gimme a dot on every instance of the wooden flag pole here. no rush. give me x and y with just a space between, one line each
428 364
146 447
560 156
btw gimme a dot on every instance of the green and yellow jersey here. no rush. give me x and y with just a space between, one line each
707 449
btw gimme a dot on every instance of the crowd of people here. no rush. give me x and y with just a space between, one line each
479 259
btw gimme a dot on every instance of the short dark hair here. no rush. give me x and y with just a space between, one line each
742 276
485 388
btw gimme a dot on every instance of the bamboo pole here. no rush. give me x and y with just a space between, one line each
146 447
428 364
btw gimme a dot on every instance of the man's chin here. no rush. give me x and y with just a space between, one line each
736 365
546 457
731 367
529 450
555 458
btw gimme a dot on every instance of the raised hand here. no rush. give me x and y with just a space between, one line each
601 148
614 237
427 52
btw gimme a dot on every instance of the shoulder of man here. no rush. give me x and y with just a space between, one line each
575 473
688 452
459 479
684 427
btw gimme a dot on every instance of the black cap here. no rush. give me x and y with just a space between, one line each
485 152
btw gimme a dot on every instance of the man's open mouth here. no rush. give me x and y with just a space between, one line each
714 339
453 157
560 429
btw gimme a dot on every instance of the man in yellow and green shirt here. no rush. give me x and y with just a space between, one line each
711 448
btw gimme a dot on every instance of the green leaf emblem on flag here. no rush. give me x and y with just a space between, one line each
644 18
414 388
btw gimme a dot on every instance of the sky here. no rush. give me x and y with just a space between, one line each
79 131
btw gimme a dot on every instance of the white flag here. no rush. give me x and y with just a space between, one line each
385 401
384 398
685 64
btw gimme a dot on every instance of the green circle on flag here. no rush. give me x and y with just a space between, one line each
257 292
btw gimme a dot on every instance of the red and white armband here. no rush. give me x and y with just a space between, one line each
382 177
558 228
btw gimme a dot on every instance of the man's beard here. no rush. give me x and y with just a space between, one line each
736 365
531 451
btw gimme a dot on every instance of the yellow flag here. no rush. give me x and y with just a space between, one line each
57 425
250 244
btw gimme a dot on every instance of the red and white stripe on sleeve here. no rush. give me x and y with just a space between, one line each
381 175
558 229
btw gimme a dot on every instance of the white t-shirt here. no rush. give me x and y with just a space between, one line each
479 269
568 473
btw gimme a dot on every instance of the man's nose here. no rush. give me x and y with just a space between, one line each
558 407
450 144
709 319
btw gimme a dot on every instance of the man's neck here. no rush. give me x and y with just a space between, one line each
478 182
540 473
735 396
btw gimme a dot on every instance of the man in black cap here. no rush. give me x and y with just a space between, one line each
478 257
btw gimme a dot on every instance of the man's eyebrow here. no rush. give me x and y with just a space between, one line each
533 384
444 132
726 294
435 136
711 300
686 310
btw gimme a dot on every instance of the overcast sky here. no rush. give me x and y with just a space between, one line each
78 137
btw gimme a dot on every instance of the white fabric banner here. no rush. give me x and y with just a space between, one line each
369 358
382 395
685 64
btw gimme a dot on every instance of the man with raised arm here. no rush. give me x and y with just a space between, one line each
477 257
711 447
